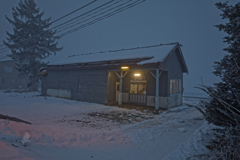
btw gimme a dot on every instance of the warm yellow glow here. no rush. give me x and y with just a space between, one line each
137 74
125 67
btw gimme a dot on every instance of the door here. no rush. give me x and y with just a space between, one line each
138 93
117 91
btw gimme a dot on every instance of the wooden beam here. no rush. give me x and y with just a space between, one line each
151 74
125 74
117 74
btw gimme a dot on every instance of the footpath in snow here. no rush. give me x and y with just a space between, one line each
67 129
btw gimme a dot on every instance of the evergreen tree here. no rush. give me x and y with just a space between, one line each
32 41
224 107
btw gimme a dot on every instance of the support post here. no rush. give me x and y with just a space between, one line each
121 76
157 90
120 90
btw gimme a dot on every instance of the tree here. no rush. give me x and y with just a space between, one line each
32 41
227 92
224 107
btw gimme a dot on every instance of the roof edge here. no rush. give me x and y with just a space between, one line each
181 55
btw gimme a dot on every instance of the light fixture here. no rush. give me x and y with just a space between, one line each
137 74
125 68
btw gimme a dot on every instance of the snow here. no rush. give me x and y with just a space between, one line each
67 129
157 54
5 59
182 129
195 144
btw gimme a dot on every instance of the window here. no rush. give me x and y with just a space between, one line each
141 88
2 81
175 86
133 89
138 89
8 69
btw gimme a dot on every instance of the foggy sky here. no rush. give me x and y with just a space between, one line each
189 22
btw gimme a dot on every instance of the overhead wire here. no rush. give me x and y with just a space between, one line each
56 27
83 14
73 11
96 15
62 17
100 18
32 38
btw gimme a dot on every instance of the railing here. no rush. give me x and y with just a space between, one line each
138 98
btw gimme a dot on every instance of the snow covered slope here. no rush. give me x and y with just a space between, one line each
64 129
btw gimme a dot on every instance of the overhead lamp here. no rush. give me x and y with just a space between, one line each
137 74
124 68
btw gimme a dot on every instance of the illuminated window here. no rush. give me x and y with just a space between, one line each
138 89
141 88
133 88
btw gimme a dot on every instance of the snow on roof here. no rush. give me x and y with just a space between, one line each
5 58
156 53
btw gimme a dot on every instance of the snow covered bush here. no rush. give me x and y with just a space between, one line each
225 146
226 142
224 107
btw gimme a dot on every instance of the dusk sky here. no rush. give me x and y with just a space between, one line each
152 22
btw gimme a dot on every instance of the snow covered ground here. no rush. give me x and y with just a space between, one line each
67 129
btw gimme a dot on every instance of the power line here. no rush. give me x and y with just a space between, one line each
99 19
56 27
103 17
30 39
84 14
73 12
95 15
90 14
62 17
